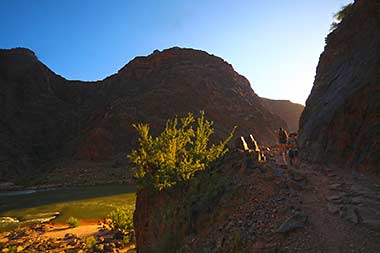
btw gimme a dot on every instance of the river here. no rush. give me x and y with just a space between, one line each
20 208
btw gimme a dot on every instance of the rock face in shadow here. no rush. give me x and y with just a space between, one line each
288 111
340 123
40 111
48 118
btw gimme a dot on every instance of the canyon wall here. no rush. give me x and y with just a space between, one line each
340 123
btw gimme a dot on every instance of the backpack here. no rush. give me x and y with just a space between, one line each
283 136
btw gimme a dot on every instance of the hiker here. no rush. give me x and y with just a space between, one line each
293 149
292 140
293 156
282 140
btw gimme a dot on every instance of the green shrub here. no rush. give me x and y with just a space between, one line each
120 220
73 222
12 249
90 242
126 239
177 153
340 15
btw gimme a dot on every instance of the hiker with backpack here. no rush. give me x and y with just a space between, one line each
293 149
282 140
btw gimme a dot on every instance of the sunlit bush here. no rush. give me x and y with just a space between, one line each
177 153
73 222
90 242
120 220
340 15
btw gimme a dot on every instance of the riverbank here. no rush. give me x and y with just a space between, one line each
89 236
57 205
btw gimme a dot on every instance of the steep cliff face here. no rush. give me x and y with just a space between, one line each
340 123
288 111
46 117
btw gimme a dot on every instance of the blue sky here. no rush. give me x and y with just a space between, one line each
274 43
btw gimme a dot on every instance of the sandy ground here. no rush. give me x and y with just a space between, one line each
82 231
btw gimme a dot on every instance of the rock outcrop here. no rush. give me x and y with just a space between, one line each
233 206
48 118
239 204
340 123
288 111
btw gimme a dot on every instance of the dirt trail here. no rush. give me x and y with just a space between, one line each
343 210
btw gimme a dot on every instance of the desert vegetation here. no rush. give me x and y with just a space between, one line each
340 15
73 222
177 153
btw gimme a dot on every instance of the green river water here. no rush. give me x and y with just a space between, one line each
57 205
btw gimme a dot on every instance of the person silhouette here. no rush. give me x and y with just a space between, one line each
282 140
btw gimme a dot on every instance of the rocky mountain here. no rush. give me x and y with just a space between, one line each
40 111
48 118
340 123
288 111
174 82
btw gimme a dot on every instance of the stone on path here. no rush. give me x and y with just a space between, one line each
295 222
334 198
351 215
370 217
332 208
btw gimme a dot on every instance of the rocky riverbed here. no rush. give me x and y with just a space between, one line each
46 237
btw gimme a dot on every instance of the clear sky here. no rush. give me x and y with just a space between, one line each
274 43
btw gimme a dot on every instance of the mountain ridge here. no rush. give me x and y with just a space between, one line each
49 117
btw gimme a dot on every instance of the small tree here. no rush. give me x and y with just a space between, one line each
120 220
340 15
177 153
73 222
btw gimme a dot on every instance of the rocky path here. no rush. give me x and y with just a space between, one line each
343 211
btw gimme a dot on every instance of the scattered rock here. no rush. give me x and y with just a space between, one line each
332 208
296 185
98 248
352 215
334 198
372 224
295 222
297 176
278 172
335 186
358 200
369 217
